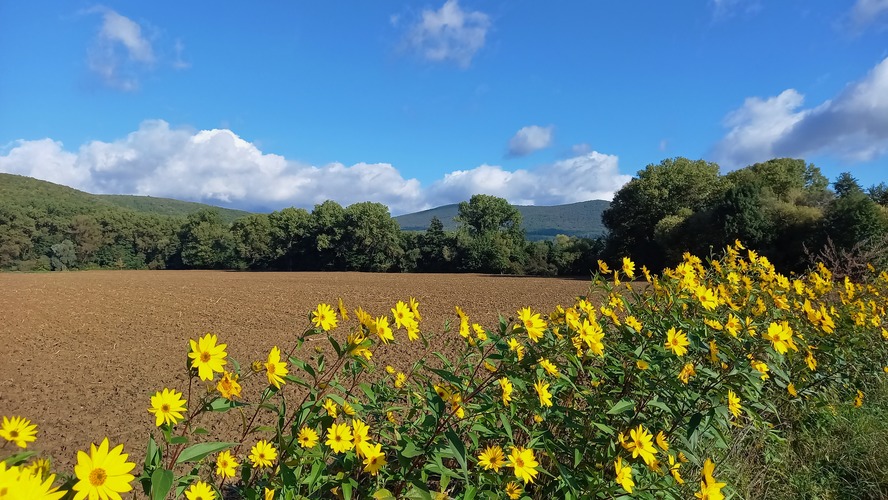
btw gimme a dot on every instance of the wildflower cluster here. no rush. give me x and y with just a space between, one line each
632 388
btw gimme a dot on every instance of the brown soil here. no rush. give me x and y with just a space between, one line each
81 353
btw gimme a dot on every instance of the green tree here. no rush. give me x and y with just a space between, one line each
853 218
436 248
657 192
370 239
290 229
206 241
86 233
327 230
490 237
252 241
63 256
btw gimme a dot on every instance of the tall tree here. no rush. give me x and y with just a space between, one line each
290 229
370 239
206 241
490 236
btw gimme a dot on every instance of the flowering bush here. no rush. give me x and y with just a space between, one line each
632 389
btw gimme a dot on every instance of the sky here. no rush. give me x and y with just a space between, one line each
417 104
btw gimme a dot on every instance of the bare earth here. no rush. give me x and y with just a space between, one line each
81 353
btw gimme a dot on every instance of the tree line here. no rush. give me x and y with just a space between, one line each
784 208
360 237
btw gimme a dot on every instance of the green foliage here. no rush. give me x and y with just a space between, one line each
206 241
168 206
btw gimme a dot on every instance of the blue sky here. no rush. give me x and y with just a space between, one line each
416 104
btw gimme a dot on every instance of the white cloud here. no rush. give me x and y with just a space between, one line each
219 167
120 53
867 12
449 34
591 176
529 139
179 62
852 126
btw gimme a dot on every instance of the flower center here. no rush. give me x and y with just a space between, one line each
13 434
164 408
97 477
205 357
519 462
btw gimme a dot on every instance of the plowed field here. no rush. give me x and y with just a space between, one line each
81 353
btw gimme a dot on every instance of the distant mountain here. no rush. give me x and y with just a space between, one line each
581 219
29 192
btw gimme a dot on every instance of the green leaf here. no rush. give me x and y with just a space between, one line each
198 451
459 450
411 450
179 440
161 482
506 426
18 458
621 406
152 454
383 494
695 422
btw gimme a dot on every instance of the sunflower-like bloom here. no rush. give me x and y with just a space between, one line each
382 329
339 438
200 490
642 444
167 407
263 454
18 482
542 390
275 369
330 407
360 437
323 317
207 356
307 437
513 491
226 465
102 473
710 489
624 475
734 404
628 270
492 458
677 342
403 315
374 458
228 386
549 366
18 430
507 388
522 461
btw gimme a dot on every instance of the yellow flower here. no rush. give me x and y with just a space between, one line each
402 314
533 325
761 367
687 371
624 475
542 390
492 458
414 308
507 388
812 363
307 437
733 325
103 473
339 438
228 386
167 407
642 364
263 454
790 388
513 491
707 297
516 346
479 332
710 489
602 266
673 469
226 465
39 467
206 356
413 331
375 459
269 494
522 461
330 406
858 401
360 437
628 267
632 321
642 444
780 335
677 342
275 369
382 329
400 380
324 318
661 441
734 404
18 430
550 367
343 312
24 483
592 335
200 490
364 318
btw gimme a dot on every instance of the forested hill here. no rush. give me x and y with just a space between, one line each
17 190
575 219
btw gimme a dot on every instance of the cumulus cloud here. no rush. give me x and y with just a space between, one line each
219 167
590 176
449 34
529 139
867 12
119 52
852 126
